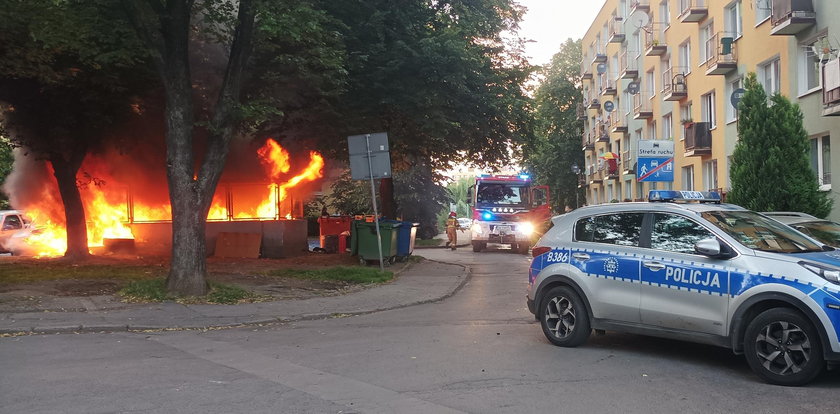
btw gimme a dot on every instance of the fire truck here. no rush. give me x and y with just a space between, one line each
507 209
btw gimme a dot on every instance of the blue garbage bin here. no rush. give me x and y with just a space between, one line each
405 239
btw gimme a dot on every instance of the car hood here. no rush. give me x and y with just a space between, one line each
830 258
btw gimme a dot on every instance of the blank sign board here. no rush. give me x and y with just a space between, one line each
377 165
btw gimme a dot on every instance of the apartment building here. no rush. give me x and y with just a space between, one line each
667 70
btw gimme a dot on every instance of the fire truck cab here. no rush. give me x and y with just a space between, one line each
506 209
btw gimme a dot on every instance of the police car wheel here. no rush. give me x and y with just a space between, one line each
783 348
563 317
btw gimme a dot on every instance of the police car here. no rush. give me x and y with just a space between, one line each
700 271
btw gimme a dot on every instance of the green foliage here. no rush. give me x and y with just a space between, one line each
154 290
55 269
349 196
770 165
556 143
6 162
420 197
360 275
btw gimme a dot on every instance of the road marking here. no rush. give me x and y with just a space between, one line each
357 395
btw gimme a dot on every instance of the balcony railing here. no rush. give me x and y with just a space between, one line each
692 11
698 139
616 29
580 111
627 162
790 17
674 87
640 5
586 69
600 131
628 65
617 122
587 141
641 106
831 88
608 84
654 40
722 56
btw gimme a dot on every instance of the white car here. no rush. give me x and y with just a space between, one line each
699 271
14 226
825 231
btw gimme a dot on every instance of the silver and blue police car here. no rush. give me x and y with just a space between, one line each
700 271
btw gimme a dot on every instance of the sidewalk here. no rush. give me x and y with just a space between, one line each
424 282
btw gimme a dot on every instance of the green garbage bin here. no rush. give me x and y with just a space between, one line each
363 241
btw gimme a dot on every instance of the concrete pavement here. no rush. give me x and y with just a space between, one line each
423 282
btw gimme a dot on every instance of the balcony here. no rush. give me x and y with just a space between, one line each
723 58
611 169
608 85
639 5
790 17
593 104
628 65
654 40
618 124
641 106
698 139
674 87
831 88
628 164
616 28
580 111
587 141
585 69
600 132
692 11
594 175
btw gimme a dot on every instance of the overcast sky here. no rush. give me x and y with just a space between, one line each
550 22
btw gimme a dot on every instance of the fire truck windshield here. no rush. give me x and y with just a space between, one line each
501 194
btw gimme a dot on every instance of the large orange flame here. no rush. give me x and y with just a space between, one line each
109 216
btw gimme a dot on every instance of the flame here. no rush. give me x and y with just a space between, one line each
108 213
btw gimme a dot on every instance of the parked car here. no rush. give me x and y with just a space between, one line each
699 271
465 223
825 231
13 225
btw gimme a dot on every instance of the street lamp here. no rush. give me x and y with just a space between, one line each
576 172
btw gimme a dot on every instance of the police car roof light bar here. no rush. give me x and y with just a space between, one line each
684 196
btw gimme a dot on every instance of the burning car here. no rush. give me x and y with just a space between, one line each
14 228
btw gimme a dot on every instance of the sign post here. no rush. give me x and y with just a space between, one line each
369 158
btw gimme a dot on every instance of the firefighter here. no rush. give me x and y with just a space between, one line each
452 227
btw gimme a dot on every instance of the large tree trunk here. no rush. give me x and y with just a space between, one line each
74 211
386 194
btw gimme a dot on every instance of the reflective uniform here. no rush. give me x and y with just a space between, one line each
452 227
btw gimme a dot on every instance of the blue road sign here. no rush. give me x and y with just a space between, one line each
655 169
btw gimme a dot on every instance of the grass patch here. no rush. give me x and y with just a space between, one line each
46 270
155 291
428 242
341 273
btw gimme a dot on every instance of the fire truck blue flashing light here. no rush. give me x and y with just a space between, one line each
525 176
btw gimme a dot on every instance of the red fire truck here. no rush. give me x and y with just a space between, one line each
506 209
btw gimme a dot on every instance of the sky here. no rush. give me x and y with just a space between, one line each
550 22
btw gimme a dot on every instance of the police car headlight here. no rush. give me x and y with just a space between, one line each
828 273
526 229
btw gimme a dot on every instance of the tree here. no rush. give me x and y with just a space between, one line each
770 165
555 146
6 161
69 71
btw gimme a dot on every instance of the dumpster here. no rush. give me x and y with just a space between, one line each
405 239
332 226
363 240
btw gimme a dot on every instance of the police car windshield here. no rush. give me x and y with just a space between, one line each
501 194
760 233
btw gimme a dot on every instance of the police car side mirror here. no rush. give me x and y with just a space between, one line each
708 247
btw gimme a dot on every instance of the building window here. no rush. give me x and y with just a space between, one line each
732 22
688 178
622 8
685 56
762 10
640 191
651 82
769 74
731 111
665 13
706 33
652 130
685 116
667 132
710 175
809 67
627 102
821 160
628 189
707 109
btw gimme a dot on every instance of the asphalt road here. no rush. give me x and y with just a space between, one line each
479 351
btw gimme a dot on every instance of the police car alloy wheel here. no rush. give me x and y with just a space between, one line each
783 348
564 319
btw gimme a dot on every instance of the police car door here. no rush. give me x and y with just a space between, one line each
680 288
604 259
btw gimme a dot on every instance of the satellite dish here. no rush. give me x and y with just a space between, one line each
641 19
601 67
736 96
633 88
609 106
